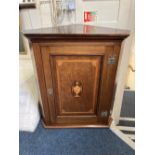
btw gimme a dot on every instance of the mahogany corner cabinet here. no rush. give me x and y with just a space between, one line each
75 68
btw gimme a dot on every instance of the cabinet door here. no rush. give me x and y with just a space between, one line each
76 83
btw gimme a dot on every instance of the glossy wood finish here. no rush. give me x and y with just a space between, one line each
76 32
76 81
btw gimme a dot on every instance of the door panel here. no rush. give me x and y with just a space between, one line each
77 82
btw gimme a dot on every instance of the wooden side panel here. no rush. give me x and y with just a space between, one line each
108 84
42 84
48 73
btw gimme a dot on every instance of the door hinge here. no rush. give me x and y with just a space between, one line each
112 59
50 91
104 113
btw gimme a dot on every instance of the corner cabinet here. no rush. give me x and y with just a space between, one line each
76 67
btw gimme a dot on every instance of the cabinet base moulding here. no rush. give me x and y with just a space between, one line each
55 126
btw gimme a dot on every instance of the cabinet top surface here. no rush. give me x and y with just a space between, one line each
76 30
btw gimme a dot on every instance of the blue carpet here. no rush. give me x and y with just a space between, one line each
128 105
72 142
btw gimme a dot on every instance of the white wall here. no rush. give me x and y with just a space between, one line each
111 13
107 11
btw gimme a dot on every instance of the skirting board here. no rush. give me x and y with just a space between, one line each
121 135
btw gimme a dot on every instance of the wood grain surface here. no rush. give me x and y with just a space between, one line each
75 75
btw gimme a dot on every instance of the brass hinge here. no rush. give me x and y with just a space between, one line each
112 59
104 113
50 91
